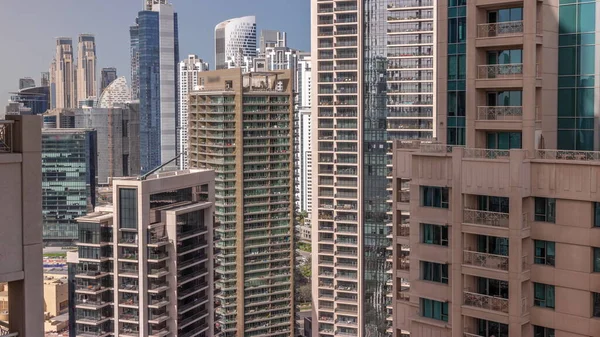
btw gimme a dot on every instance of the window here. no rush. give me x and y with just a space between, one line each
435 234
597 214
434 309
543 295
435 272
596 260
596 304
503 140
545 209
493 204
540 331
544 252
128 208
432 196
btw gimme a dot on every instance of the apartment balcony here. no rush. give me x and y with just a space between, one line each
499 113
90 304
90 289
485 260
158 333
158 302
486 218
158 272
486 302
157 318
91 274
97 319
500 29
495 76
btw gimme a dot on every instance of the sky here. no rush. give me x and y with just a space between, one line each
28 30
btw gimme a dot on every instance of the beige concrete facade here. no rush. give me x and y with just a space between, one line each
240 125
21 229
87 84
65 79
56 295
144 265
495 242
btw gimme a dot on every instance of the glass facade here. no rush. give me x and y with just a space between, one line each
128 208
457 71
374 180
68 181
148 86
576 74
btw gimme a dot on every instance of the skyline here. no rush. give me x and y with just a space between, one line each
45 22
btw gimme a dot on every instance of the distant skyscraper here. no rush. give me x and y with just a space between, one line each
64 75
68 180
117 132
36 98
45 79
86 67
188 81
53 84
26 82
272 39
116 93
106 77
234 39
154 57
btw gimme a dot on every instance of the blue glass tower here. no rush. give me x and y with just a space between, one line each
154 56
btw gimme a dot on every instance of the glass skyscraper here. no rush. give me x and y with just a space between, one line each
68 181
154 43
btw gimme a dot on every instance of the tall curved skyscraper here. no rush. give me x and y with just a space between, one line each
234 39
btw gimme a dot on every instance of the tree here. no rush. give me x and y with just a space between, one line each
304 293
305 270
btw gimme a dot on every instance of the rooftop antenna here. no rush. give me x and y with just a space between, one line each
146 175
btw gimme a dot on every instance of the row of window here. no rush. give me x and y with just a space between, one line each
544 210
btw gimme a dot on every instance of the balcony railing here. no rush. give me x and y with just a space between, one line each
494 219
486 302
500 71
403 196
500 29
6 136
499 113
485 260
567 155
486 154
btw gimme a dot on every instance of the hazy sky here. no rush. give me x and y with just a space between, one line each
28 29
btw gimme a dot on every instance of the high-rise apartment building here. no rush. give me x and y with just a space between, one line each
154 57
303 134
272 39
144 264
234 40
189 69
373 64
69 161
21 237
117 93
502 229
241 125
63 79
26 82
107 76
117 133
86 68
